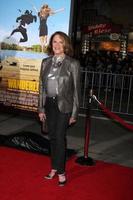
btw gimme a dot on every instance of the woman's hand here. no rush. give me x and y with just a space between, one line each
72 120
42 117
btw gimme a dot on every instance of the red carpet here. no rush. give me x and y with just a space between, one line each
21 178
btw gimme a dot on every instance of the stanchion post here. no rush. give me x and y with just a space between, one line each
85 160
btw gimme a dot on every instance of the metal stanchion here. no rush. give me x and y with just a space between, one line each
85 160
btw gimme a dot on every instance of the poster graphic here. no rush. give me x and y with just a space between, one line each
25 29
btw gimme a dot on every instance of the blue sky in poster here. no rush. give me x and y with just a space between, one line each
9 11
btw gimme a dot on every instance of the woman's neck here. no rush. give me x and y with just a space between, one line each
58 58
59 55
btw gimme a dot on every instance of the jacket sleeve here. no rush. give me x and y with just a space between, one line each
75 67
42 95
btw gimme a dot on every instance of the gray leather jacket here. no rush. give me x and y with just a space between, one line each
68 86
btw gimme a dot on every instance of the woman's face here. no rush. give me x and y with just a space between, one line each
58 45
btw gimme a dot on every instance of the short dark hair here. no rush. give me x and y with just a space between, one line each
68 49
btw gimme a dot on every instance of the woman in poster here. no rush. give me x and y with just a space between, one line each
43 14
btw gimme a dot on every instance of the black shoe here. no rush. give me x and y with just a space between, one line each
51 175
62 182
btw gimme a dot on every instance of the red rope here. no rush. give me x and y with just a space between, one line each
116 117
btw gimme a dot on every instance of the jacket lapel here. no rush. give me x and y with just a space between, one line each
46 69
64 66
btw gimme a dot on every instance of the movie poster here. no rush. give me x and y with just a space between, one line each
25 29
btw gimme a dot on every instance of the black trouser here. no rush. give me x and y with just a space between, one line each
23 32
57 127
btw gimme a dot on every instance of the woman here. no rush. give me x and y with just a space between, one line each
59 95
44 13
